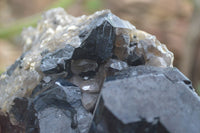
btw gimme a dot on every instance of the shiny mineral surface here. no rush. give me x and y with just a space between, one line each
60 37
64 64
146 99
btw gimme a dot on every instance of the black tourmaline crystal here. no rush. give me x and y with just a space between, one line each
95 74
57 61
58 107
96 46
146 99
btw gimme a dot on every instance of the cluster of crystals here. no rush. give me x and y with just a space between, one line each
56 30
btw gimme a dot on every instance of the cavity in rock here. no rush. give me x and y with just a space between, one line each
135 60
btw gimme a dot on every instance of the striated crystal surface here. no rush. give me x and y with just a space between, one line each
146 99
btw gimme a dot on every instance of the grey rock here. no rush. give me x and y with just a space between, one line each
57 109
15 65
57 61
147 99
172 73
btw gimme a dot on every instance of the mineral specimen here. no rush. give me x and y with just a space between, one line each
55 84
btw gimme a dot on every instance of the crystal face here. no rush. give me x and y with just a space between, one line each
57 82
147 99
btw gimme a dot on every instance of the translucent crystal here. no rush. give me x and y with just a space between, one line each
84 65
89 100
117 64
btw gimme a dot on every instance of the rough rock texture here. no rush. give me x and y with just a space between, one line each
55 84
147 99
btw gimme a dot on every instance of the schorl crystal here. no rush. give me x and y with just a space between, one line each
148 99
